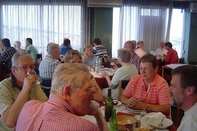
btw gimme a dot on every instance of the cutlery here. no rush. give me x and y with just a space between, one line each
160 124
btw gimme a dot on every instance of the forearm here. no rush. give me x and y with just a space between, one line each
109 82
101 122
124 99
165 109
11 114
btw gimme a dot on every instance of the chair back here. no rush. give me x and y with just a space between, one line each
121 86
46 82
38 60
3 71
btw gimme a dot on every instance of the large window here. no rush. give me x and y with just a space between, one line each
43 23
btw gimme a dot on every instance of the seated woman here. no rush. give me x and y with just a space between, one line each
126 72
73 56
89 59
147 91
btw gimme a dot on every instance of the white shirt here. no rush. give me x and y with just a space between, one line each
160 53
189 120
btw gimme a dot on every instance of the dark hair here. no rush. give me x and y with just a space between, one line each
29 40
66 42
188 75
149 58
169 44
97 41
130 43
5 42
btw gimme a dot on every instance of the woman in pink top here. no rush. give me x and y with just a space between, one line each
147 91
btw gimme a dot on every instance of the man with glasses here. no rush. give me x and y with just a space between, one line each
17 90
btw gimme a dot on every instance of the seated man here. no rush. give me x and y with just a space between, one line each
73 56
50 61
8 52
183 92
98 49
31 49
18 89
126 72
161 51
70 97
66 47
147 91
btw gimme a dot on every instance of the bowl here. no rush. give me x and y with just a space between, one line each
125 122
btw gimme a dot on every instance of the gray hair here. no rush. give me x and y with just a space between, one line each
52 47
18 44
18 54
68 74
125 55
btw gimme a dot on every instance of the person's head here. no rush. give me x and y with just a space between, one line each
97 41
66 42
168 45
162 44
5 43
21 64
54 50
140 44
17 44
88 49
129 45
148 67
124 55
29 41
134 42
73 56
71 83
183 87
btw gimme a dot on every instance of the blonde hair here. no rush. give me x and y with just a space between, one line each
69 54
87 46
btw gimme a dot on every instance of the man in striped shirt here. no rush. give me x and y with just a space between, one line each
70 98
147 91
98 49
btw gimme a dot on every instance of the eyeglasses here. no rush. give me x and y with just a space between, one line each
32 67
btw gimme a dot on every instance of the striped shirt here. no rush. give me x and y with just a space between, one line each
157 93
47 66
99 50
52 115
9 93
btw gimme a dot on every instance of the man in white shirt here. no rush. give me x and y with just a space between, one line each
183 91
161 51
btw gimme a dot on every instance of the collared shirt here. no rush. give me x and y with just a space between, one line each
6 56
9 93
157 93
135 60
52 115
172 57
33 51
47 66
160 53
99 50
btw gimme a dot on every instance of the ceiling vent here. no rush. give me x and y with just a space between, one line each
193 7
104 3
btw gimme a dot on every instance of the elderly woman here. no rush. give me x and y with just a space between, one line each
73 56
147 91
126 72
89 58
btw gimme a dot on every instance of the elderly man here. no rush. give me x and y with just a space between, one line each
8 52
50 62
17 46
183 91
161 51
147 91
70 97
18 89
73 56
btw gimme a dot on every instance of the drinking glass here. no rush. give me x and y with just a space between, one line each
38 80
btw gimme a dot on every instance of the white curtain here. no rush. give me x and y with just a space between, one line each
144 20
42 20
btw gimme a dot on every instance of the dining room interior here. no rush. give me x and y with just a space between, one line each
112 21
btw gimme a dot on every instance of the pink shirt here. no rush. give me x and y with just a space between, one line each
52 115
157 93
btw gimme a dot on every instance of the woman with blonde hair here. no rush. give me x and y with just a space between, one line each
89 59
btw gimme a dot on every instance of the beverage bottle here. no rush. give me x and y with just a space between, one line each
113 122
97 66
108 106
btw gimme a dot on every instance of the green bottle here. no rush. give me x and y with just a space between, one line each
113 122
108 106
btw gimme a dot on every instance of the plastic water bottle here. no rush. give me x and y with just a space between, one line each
97 66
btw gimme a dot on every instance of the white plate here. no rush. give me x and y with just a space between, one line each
154 122
129 110
119 103
154 115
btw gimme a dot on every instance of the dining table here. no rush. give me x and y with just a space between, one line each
101 81
122 109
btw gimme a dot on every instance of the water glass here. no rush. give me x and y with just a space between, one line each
38 80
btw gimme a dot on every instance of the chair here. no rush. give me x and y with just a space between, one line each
192 62
177 114
166 74
121 86
46 83
38 60
4 72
